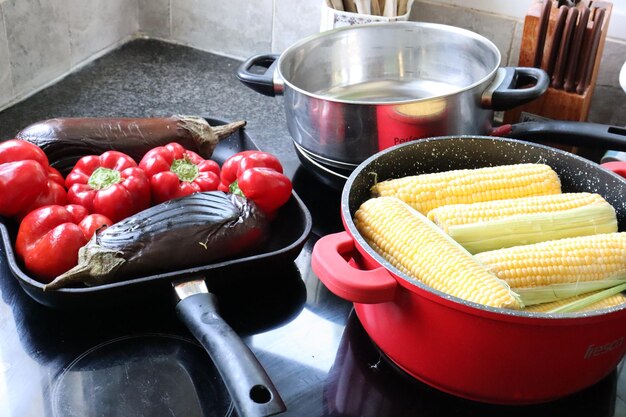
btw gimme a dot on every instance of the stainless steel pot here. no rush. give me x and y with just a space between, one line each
353 91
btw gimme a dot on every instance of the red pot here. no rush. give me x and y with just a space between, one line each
463 348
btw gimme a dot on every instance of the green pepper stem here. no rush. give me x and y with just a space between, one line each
102 178
185 169
233 188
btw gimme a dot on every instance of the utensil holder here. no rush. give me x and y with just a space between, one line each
556 103
333 18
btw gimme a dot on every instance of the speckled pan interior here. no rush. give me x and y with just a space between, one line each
467 152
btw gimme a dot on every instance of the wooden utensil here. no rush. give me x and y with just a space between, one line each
363 6
391 8
403 7
349 6
375 8
337 5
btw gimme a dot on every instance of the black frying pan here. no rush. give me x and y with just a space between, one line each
248 384
577 174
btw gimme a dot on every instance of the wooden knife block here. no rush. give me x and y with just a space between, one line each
555 103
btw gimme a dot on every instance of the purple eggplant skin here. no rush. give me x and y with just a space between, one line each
187 232
66 140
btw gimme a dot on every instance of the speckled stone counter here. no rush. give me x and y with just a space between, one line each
146 78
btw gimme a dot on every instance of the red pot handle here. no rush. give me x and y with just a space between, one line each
618 167
329 263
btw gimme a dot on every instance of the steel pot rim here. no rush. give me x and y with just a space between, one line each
282 81
439 296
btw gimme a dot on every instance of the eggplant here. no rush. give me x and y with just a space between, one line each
66 140
182 233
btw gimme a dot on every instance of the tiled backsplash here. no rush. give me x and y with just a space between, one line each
42 40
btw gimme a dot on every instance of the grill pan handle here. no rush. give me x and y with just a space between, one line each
572 133
249 386
328 261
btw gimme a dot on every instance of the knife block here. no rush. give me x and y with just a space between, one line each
555 104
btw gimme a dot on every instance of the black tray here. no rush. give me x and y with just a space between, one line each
288 236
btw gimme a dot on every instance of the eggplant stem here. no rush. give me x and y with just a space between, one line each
96 266
228 129
204 135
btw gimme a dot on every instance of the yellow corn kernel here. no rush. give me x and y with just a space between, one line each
497 224
571 260
418 248
428 191
607 302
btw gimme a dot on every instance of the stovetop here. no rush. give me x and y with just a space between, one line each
140 361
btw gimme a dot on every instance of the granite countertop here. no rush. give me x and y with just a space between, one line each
145 78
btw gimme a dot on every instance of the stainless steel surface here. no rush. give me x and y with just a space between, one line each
353 91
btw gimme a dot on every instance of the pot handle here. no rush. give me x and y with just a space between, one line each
265 82
328 261
591 135
508 87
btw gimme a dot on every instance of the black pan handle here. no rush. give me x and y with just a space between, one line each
263 82
514 86
590 135
251 389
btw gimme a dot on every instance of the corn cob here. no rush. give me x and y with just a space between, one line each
611 301
428 191
561 268
497 224
418 248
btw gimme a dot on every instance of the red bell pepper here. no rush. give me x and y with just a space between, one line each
176 172
54 194
267 188
110 184
23 176
242 161
49 238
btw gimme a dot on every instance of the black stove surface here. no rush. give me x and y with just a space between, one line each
140 361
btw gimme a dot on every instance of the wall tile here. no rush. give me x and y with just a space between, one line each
607 106
154 18
516 44
237 28
39 47
6 84
294 21
613 57
499 30
98 24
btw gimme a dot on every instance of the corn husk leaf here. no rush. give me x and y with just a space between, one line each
533 228
553 292
577 305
